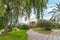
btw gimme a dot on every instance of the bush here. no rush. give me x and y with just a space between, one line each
13 28
10 28
57 25
1 22
46 25
24 27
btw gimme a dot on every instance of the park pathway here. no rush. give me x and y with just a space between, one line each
32 35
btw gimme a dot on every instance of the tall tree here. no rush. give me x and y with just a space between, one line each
9 5
38 6
43 6
26 6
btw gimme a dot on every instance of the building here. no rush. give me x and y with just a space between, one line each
32 24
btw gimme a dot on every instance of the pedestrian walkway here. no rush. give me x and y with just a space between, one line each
32 35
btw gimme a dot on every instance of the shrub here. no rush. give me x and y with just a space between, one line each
57 25
10 28
46 25
24 27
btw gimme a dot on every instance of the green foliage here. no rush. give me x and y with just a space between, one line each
57 25
21 27
56 14
21 5
24 27
58 6
46 25
13 28
1 11
1 23
10 28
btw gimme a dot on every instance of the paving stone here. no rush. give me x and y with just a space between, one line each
32 35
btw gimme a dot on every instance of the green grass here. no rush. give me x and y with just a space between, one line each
15 35
56 28
42 31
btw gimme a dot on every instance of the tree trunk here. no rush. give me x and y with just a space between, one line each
6 24
6 15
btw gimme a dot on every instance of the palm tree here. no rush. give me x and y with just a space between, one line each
56 13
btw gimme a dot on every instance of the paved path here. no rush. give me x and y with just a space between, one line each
56 33
32 35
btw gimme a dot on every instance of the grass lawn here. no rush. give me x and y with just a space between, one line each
42 31
56 29
15 35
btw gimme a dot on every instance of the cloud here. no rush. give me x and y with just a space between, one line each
49 9
50 5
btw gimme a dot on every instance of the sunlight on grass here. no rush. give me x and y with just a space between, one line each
42 31
15 35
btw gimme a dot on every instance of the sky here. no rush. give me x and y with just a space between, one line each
53 2
50 6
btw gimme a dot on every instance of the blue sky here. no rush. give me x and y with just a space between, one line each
53 2
50 5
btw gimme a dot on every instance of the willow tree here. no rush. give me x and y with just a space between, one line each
9 5
16 6
27 7
43 6
1 16
6 14
38 6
